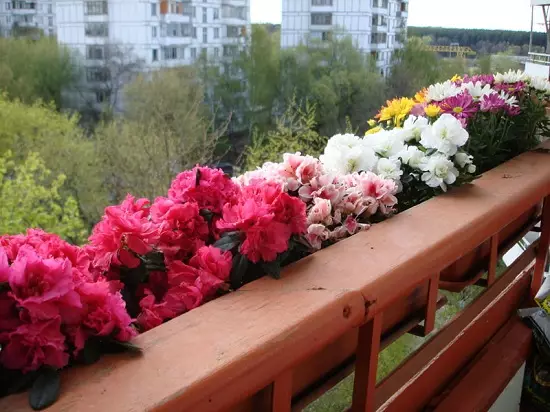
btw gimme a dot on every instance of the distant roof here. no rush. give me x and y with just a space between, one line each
540 2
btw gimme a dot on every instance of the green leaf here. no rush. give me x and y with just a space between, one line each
91 352
114 346
273 268
240 265
228 241
4 286
207 215
45 389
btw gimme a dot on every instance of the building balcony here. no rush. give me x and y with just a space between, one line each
18 12
280 344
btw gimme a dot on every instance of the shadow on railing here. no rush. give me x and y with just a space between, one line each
278 345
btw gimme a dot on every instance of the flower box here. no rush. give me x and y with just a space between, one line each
301 331
469 269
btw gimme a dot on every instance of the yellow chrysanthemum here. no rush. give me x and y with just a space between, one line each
420 97
456 78
372 122
432 110
396 110
373 130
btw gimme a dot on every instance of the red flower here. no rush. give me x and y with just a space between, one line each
124 232
33 345
214 268
104 311
210 188
291 211
4 266
9 315
181 228
45 287
266 239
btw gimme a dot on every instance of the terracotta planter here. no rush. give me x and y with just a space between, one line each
470 268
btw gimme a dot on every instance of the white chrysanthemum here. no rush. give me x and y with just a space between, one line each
413 127
439 171
389 169
511 76
509 99
540 83
477 90
440 91
446 135
413 157
465 161
347 154
386 143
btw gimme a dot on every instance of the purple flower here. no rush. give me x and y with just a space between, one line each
483 78
461 106
510 88
492 103
418 109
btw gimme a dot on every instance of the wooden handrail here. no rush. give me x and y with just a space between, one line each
227 350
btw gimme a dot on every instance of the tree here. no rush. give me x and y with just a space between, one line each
294 132
118 67
33 70
337 78
414 68
30 198
61 145
165 130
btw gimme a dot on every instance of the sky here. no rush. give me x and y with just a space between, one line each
471 14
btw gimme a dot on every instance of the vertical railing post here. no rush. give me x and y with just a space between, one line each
366 365
282 393
493 261
431 307
542 252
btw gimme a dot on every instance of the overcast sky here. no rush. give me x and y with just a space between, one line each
482 14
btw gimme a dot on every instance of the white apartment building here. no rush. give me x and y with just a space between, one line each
374 25
160 33
24 14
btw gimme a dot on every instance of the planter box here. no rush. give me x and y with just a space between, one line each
277 341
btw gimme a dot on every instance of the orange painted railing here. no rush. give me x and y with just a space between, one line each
275 345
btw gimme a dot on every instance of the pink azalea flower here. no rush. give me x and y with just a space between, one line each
45 287
209 188
33 345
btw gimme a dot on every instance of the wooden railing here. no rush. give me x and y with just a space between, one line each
275 345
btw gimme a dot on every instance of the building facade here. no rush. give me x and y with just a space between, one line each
157 33
27 16
375 26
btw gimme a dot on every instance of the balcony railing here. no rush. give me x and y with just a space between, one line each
540 58
276 345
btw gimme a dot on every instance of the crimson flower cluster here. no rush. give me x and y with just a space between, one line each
51 303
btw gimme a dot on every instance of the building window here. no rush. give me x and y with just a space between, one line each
177 29
233 12
216 14
194 32
155 55
153 9
382 4
321 19
216 52
194 12
205 35
102 96
321 2
170 53
379 20
193 53
94 8
94 52
230 51
205 15
233 31
8 6
154 31
98 74
378 38
50 9
99 29
216 33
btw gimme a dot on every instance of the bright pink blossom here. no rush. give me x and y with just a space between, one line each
124 233
461 106
214 268
44 287
33 345
181 228
209 188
